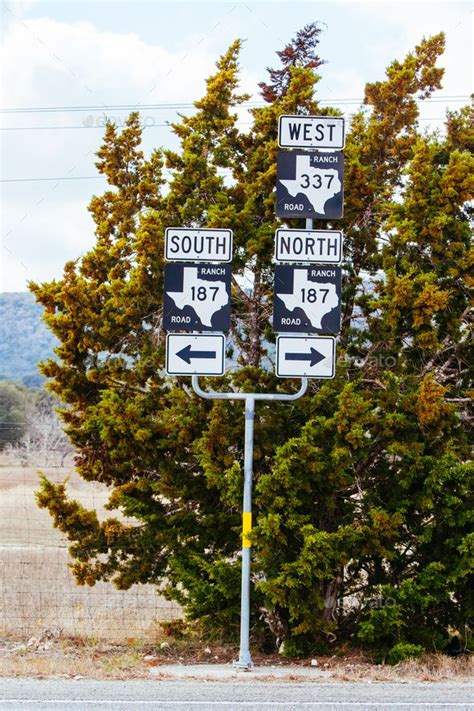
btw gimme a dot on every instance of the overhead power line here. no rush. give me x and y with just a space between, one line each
188 105
146 125
35 180
220 171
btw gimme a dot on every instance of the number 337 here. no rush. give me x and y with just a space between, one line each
317 180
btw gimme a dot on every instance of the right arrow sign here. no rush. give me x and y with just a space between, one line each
313 357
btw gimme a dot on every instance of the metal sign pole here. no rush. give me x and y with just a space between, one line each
245 660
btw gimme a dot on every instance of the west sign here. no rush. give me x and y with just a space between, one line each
311 132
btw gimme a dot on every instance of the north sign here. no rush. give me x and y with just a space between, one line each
307 299
315 246
311 132
310 185
197 297
195 354
311 357
208 245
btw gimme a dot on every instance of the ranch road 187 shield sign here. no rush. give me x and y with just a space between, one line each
197 297
310 185
307 299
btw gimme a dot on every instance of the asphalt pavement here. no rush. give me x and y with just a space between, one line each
231 695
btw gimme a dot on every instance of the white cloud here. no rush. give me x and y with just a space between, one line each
60 228
47 62
43 59
51 63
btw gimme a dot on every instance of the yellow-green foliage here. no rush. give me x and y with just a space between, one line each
361 487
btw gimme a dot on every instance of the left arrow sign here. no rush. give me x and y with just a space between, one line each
187 354
195 354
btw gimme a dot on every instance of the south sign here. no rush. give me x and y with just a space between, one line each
184 244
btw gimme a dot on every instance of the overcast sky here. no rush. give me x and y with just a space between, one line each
94 56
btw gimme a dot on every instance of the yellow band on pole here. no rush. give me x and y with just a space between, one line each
246 528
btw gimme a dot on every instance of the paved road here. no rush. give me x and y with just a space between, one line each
59 695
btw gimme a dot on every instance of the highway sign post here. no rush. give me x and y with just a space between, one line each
307 299
311 132
310 185
320 246
245 660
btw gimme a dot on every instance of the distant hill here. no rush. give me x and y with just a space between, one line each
24 338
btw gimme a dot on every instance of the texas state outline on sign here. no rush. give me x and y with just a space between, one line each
206 308
327 300
326 178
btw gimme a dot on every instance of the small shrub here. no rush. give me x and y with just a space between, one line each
402 651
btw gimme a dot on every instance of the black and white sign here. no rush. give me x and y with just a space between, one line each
320 246
197 297
311 132
307 299
190 354
313 357
208 245
310 185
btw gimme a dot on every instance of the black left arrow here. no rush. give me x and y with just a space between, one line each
314 356
186 354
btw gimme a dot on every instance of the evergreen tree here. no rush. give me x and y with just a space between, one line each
361 487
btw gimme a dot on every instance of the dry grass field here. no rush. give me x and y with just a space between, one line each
37 590
49 626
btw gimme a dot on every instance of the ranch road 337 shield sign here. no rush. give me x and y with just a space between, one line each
307 299
197 297
310 185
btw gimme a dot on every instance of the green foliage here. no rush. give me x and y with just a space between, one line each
362 486
15 402
403 651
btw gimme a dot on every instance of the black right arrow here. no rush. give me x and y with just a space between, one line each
314 357
186 354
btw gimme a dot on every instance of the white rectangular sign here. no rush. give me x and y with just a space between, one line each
313 357
311 132
315 246
190 244
190 354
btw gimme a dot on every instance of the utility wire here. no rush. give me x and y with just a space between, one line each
35 180
146 125
248 104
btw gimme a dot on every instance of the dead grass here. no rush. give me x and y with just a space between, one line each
429 667
138 659
49 626
71 660
21 521
37 589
